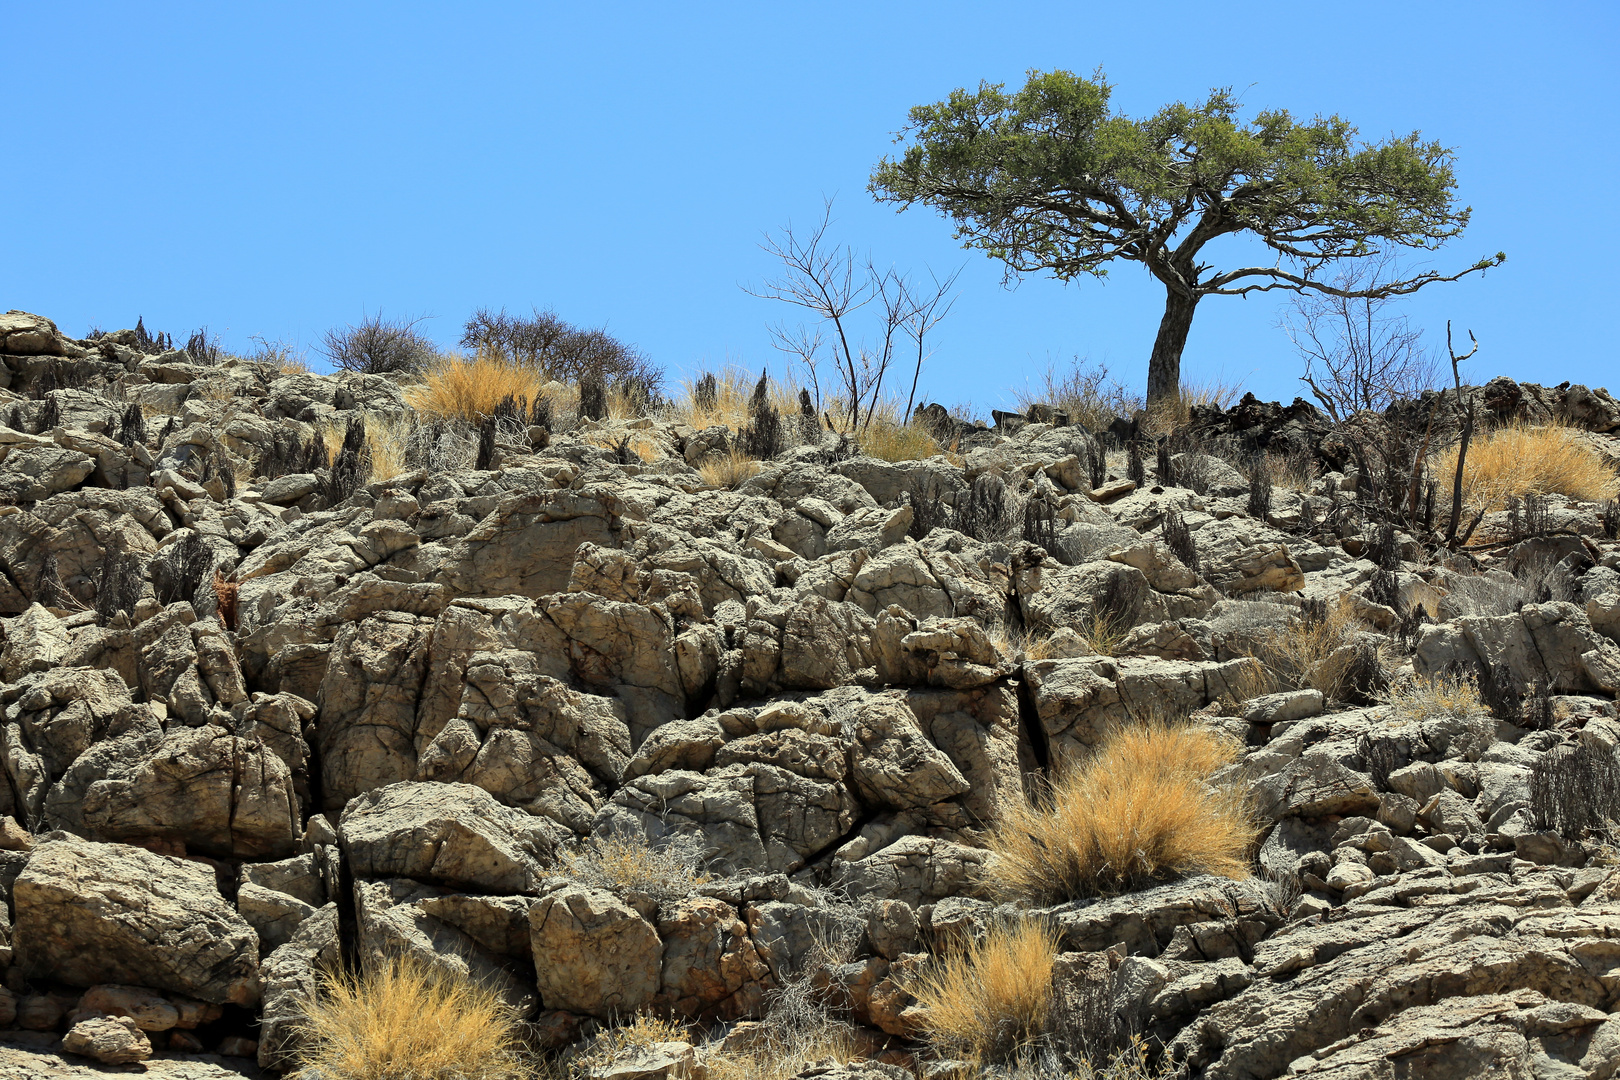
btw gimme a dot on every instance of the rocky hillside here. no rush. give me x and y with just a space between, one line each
266 713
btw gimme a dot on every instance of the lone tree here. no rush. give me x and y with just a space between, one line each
1051 178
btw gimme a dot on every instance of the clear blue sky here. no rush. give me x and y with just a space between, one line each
278 169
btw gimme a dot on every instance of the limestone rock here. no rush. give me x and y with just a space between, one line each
91 913
111 1040
593 954
452 834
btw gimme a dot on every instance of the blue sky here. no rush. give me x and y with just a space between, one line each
279 169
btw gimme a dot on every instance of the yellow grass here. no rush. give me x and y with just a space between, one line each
470 388
890 441
728 471
734 389
1523 459
1435 697
992 997
404 1021
1313 655
1135 813
779 1059
1167 416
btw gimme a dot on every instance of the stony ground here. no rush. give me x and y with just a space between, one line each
256 723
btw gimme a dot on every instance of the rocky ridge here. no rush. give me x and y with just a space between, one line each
256 723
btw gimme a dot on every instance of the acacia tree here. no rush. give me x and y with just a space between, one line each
1051 178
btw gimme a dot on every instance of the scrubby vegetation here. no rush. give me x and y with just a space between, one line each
402 1020
1137 811
991 998
1520 459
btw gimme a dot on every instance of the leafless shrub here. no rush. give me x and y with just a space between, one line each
1259 488
119 586
48 587
378 346
667 869
987 513
1482 595
486 444
148 343
1576 790
203 348
762 438
1609 518
1094 461
1135 467
216 466
1178 537
1380 757
1528 517
1359 354
560 350
929 510
1040 525
180 573
706 393
352 466
132 426
829 282
1166 467
592 397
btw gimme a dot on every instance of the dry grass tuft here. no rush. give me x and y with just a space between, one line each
1313 652
1088 395
1523 459
1136 813
405 1021
469 389
728 406
1168 416
991 998
890 441
613 1048
670 869
728 471
1434 697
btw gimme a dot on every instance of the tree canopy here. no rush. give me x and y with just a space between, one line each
1052 178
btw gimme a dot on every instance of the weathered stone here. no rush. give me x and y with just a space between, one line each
92 913
594 954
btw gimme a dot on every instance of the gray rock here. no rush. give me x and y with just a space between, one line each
594 954
92 913
450 834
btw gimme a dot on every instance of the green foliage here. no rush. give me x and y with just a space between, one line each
1052 178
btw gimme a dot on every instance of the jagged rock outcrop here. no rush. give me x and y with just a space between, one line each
606 737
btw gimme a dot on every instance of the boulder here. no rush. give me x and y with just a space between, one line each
593 953
90 913
111 1040
449 834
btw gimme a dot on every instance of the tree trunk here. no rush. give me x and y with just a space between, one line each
1164 366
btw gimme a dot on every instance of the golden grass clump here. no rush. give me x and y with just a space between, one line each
725 403
1137 812
890 441
1525 459
469 388
992 997
1168 416
1433 697
1313 653
728 471
401 1020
